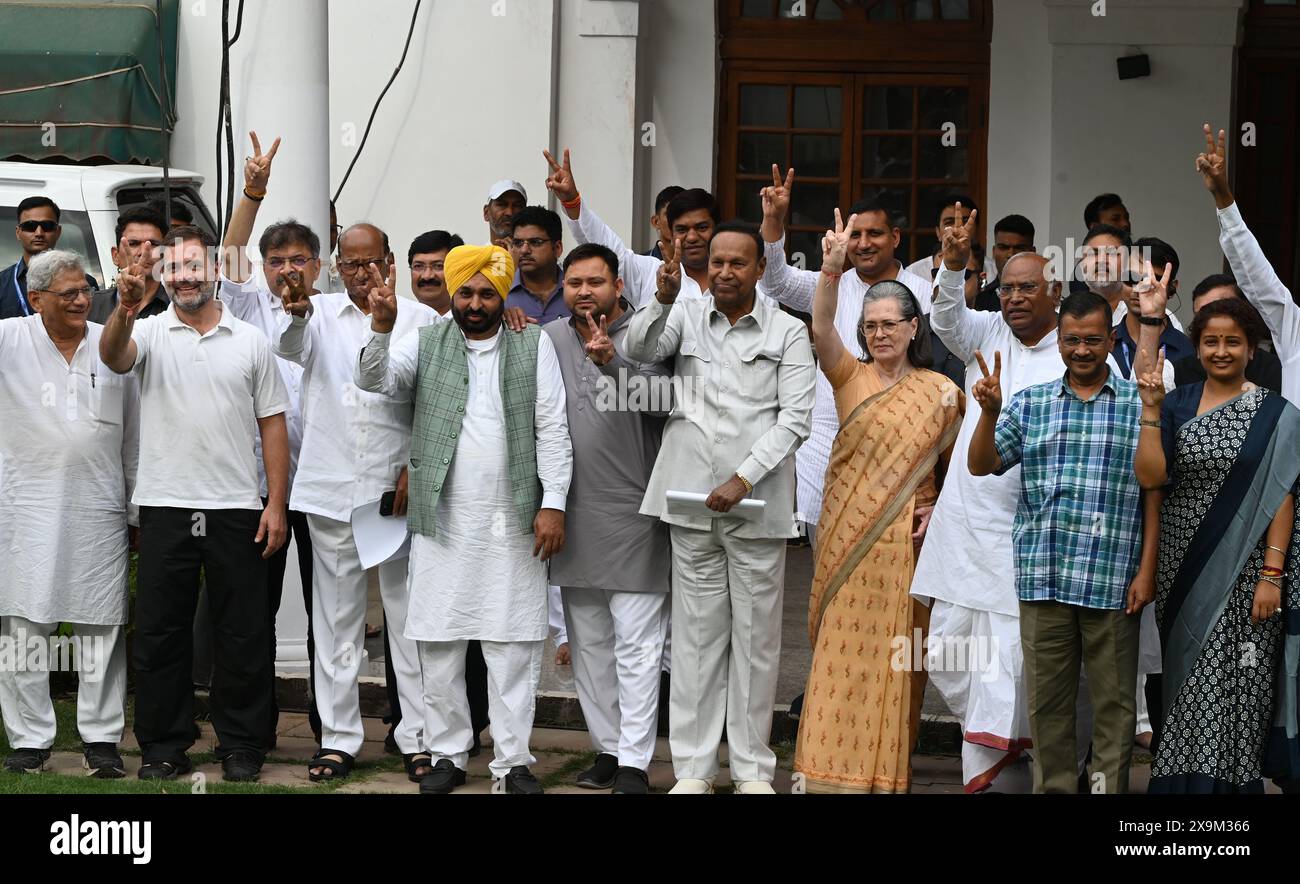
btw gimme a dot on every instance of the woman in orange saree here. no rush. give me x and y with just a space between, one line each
898 421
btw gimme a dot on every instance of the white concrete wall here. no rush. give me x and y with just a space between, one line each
1020 91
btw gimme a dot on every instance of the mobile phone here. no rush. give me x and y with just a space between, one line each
387 502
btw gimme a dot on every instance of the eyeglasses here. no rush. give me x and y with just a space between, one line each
353 266
535 243
1025 288
71 294
888 326
298 262
1073 341
33 226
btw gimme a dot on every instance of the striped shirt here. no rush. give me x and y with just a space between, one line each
1077 534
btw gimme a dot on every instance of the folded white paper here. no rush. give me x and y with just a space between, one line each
379 538
691 503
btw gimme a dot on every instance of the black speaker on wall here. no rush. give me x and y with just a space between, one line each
1133 66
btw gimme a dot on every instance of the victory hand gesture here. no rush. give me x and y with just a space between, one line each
295 296
131 283
835 244
988 389
1151 385
776 199
1154 293
561 181
600 349
957 242
670 273
383 299
257 168
1213 166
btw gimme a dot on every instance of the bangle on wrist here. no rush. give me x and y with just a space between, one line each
749 486
1275 549
255 195
1155 425
1273 580
573 203
831 274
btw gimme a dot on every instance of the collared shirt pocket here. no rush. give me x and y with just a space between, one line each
107 397
758 373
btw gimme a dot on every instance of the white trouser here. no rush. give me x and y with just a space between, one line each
338 614
726 651
99 655
514 669
617 643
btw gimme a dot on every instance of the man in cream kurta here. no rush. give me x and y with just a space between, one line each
68 451
745 372
489 473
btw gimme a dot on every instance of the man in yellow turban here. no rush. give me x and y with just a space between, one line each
490 468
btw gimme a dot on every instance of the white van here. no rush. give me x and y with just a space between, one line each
90 198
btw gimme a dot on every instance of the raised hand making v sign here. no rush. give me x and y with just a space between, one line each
835 245
561 184
1212 163
776 204
957 242
983 457
383 299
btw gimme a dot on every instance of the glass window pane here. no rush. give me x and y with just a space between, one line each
813 205
887 107
938 161
884 10
817 156
955 10
943 104
808 244
786 10
817 107
749 205
922 246
756 9
921 10
763 106
828 10
897 199
886 156
757 151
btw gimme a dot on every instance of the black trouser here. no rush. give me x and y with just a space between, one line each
174 545
275 567
475 686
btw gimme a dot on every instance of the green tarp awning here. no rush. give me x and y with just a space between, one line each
79 81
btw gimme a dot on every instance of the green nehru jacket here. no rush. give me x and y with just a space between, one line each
441 393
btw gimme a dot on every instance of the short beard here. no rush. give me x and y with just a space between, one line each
493 320
206 293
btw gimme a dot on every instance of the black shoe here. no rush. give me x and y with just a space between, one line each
445 777
601 774
631 781
241 767
165 770
477 747
102 761
27 760
520 781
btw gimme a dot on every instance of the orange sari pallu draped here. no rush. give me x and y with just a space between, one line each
861 707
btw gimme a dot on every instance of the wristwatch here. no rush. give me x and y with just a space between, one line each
1151 320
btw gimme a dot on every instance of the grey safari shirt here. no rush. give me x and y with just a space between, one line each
744 398
616 420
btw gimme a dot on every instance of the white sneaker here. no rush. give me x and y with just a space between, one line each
692 787
755 787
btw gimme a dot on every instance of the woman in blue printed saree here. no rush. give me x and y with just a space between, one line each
1228 589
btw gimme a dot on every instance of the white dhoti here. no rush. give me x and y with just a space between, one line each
976 664
97 653
727 594
339 598
617 642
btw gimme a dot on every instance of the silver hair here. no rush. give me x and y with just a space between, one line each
46 266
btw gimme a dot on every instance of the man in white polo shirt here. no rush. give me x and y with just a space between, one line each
208 383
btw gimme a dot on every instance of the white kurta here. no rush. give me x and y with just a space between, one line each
68 454
478 578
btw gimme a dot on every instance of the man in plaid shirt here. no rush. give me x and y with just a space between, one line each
1083 572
